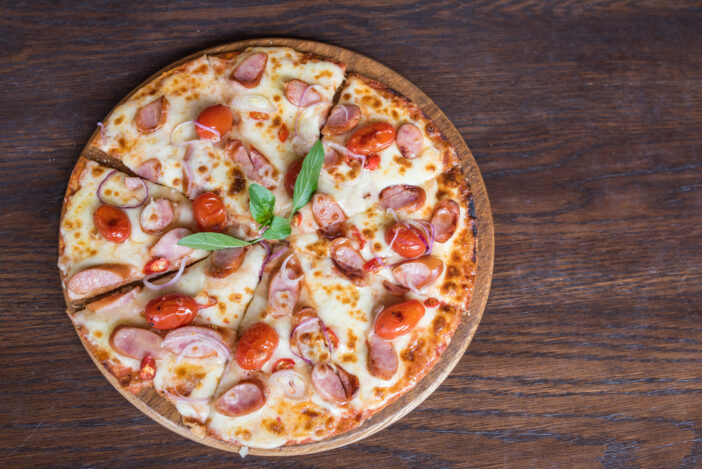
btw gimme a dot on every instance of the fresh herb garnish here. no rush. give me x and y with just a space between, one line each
261 205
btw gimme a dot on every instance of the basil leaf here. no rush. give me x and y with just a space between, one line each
212 241
280 228
261 203
306 183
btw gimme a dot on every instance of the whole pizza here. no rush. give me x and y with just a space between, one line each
278 247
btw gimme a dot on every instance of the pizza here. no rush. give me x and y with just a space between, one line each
278 247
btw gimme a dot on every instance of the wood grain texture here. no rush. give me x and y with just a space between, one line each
157 408
585 120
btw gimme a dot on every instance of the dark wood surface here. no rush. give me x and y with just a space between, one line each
586 121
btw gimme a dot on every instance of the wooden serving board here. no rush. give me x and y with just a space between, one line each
160 410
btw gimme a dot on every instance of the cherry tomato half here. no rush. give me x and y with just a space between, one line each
284 364
256 346
408 242
371 138
399 319
209 211
217 117
170 311
112 223
291 176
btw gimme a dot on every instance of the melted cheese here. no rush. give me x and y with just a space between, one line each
84 247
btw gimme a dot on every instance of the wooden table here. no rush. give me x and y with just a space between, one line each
586 121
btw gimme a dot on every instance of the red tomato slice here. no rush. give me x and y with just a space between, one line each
170 311
284 364
156 265
408 243
112 223
217 117
291 176
397 320
371 139
373 161
256 346
147 370
210 212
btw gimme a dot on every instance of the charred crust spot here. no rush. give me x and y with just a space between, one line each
275 427
119 120
238 181
439 325
471 209
347 96
276 121
276 98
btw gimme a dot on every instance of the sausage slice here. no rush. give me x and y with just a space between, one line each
156 216
382 358
151 116
402 197
250 71
445 220
241 399
409 140
135 342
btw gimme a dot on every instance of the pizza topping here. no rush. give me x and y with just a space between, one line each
284 288
382 358
149 169
196 342
209 212
332 158
445 220
333 383
113 301
250 71
402 197
290 382
405 240
214 122
372 162
156 266
283 133
97 279
156 216
394 289
409 140
147 369
291 176
348 261
416 274
152 116
256 346
168 247
125 194
226 261
172 281
253 103
301 94
374 265
170 311
371 139
342 118
397 320
243 398
283 364
112 223
309 341
255 165
135 342
328 214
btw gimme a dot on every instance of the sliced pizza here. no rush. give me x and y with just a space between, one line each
280 98
375 138
116 229
176 331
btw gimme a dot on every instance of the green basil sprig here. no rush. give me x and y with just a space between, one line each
261 204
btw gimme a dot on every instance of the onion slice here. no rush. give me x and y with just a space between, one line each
152 286
196 124
188 400
253 102
267 247
102 198
102 130
290 382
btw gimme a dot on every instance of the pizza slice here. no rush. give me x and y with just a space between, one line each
116 229
176 333
375 138
268 396
171 132
280 98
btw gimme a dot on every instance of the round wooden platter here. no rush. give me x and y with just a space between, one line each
160 410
